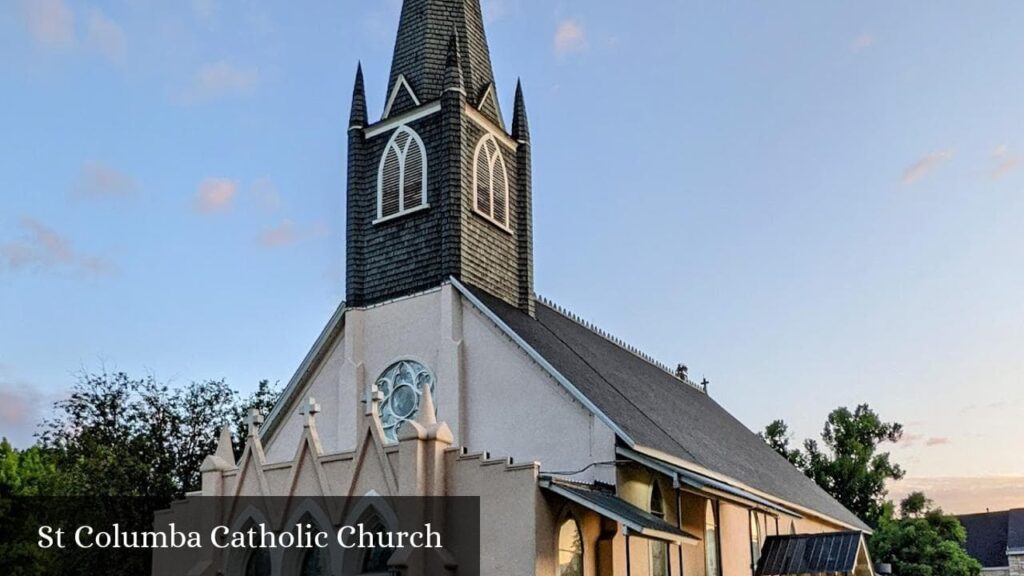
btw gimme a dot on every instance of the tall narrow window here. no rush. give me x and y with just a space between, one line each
258 563
755 539
659 549
570 549
490 181
402 179
711 540
375 560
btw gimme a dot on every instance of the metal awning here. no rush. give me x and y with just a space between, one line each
702 482
635 520
830 553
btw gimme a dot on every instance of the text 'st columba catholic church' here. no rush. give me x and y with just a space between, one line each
443 374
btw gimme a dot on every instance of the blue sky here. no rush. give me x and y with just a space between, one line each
812 204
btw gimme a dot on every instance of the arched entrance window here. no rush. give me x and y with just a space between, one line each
313 563
659 549
570 548
375 560
258 563
711 558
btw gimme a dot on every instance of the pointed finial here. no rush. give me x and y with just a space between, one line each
520 123
427 415
453 67
358 117
225 450
253 422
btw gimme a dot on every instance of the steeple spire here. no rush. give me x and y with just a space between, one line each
453 67
520 123
420 49
358 118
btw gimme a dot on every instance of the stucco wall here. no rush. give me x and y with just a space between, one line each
491 394
514 408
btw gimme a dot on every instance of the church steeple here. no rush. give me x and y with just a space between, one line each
421 54
437 188
357 117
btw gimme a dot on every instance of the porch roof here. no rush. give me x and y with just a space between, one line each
637 521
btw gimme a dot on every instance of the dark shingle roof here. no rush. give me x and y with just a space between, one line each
989 535
834 553
1015 533
657 410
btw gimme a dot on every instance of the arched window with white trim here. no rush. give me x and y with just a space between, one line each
570 548
490 181
402 177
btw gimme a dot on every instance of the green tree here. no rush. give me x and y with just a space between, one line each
120 436
923 542
847 462
777 436
23 475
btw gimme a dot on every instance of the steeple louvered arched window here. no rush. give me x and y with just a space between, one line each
490 182
402 181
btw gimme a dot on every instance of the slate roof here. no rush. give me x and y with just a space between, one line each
658 411
833 553
991 534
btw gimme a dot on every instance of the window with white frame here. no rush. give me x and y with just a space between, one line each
402 179
490 181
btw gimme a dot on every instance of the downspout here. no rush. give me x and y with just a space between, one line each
629 562
679 519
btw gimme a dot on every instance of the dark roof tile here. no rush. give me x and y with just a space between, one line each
657 410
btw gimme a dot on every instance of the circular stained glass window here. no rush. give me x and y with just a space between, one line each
401 386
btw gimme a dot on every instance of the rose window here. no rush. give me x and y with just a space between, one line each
401 387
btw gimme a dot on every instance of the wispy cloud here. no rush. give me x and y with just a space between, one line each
938 441
910 439
22 409
218 80
965 495
494 10
106 36
215 195
277 236
266 192
863 42
43 248
925 166
287 233
570 37
50 22
98 180
1005 161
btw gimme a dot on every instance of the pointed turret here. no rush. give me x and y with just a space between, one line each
453 81
428 414
520 123
358 117
225 450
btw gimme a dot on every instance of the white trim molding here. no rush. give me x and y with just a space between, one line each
401 153
498 185
400 83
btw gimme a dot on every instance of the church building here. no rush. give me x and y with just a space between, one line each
442 374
